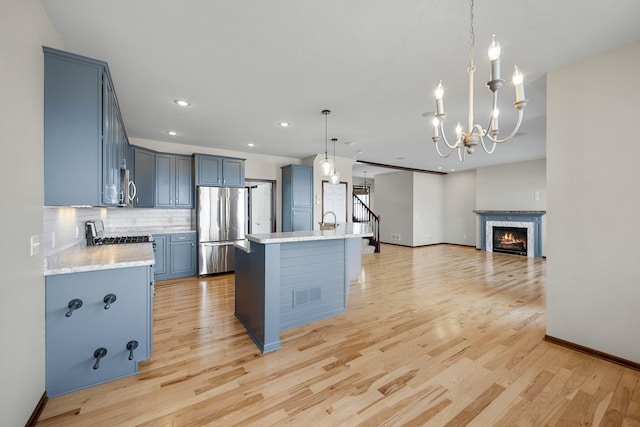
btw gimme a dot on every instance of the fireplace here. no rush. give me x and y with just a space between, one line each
529 222
510 240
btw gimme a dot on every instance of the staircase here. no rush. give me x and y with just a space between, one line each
362 214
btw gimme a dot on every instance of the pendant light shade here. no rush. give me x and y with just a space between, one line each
334 178
326 165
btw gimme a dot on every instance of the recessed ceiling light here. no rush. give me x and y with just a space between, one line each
359 152
171 132
349 143
284 124
439 168
251 144
182 102
400 158
453 170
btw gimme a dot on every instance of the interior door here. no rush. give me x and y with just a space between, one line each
261 208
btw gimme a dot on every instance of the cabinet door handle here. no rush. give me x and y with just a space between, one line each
99 354
74 304
108 300
132 345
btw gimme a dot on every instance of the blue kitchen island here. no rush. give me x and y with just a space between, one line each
290 279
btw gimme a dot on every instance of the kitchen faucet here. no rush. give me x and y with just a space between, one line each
329 212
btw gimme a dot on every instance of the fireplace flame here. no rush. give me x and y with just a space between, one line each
509 239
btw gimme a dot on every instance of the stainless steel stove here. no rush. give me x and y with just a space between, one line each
94 231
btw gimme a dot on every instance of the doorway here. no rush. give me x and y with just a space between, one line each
261 206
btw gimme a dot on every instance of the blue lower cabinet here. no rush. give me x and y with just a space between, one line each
175 255
98 326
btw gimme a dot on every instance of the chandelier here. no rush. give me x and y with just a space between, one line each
475 133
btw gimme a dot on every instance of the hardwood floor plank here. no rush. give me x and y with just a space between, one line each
438 335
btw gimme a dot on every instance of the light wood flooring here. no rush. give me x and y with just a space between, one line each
440 336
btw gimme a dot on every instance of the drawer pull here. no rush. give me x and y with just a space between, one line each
108 300
132 345
74 304
99 354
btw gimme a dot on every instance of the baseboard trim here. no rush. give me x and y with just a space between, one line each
38 410
591 352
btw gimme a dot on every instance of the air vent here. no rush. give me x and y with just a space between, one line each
306 296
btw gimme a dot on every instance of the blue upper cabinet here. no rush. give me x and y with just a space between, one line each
216 171
84 137
174 182
144 166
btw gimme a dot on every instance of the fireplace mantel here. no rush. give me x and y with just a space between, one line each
530 219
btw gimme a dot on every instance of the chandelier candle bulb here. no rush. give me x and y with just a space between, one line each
494 57
518 82
436 123
439 95
494 119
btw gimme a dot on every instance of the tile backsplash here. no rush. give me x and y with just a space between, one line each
63 227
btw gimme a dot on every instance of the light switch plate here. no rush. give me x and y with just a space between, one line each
35 245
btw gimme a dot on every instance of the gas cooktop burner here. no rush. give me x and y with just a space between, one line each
122 240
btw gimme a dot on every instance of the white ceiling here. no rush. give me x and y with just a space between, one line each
246 65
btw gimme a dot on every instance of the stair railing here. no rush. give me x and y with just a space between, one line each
362 214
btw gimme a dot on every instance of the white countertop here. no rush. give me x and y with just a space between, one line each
92 258
346 230
146 230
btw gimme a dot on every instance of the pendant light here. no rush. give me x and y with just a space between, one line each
326 165
335 175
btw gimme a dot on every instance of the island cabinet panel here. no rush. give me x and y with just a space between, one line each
257 295
72 339
312 281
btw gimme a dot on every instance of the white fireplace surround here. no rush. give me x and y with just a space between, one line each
520 224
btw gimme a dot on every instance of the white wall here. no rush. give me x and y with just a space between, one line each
459 204
24 28
428 209
513 187
257 166
394 204
593 279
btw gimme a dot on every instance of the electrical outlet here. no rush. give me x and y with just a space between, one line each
536 196
425 237
35 245
53 239
395 237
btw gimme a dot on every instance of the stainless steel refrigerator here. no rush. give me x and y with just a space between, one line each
220 221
